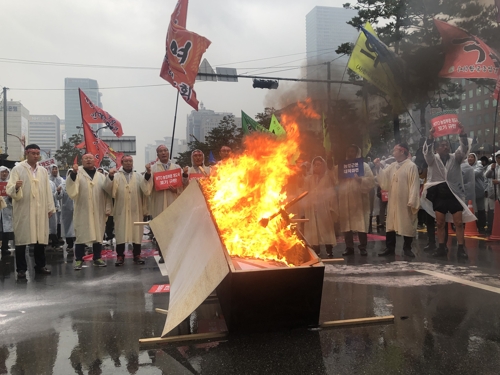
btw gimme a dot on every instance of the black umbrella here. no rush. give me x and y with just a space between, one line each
484 148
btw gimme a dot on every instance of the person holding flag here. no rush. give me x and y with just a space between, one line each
92 205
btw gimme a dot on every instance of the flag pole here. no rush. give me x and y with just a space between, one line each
175 120
494 160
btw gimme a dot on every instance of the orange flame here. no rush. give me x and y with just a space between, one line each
249 187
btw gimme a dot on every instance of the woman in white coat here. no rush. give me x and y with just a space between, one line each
6 215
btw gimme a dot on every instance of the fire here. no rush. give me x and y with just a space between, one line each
249 187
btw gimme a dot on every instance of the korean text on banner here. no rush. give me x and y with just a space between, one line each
352 168
92 114
196 176
384 195
445 124
168 179
3 189
47 163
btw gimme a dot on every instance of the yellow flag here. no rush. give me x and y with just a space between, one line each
364 61
275 127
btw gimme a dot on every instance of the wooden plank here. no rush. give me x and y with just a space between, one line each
161 311
141 222
348 322
193 337
335 260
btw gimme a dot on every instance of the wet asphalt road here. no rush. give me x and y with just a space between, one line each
90 321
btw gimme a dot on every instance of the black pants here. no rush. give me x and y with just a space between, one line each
390 241
431 230
317 250
120 249
349 241
70 241
110 227
39 254
80 250
6 236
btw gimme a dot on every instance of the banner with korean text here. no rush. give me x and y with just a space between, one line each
168 179
445 123
352 168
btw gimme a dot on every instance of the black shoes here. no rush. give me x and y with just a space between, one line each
440 252
430 248
161 259
461 253
348 251
408 253
387 252
363 252
21 275
42 271
119 261
138 260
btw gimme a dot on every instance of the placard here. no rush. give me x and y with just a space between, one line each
3 189
160 288
167 179
195 176
445 124
384 195
47 163
351 168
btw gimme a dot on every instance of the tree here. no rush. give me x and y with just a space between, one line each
226 134
65 155
264 118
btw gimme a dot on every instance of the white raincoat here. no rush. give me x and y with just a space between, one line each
450 173
91 205
31 204
53 218
6 212
160 200
128 208
354 201
403 184
320 207
66 203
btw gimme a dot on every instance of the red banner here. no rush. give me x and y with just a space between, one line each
184 50
384 195
445 124
196 176
3 189
160 288
93 144
467 56
92 114
168 179
47 163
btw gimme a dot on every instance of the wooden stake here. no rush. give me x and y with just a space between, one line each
196 336
161 311
349 322
141 222
336 260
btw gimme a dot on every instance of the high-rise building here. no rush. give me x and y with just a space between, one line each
201 122
45 131
72 112
326 30
18 118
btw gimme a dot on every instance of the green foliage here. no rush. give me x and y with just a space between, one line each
226 134
65 155
264 118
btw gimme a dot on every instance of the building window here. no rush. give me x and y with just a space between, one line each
487 103
478 106
486 132
471 135
471 121
479 120
464 108
479 132
479 91
471 93
494 102
464 96
471 107
463 82
486 118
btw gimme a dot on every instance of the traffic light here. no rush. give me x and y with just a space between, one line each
265 84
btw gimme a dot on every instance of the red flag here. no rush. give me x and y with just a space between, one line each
93 144
80 145
467 56
95 115
116 157
184 50
76 160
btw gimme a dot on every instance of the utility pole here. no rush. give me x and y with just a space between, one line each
5 120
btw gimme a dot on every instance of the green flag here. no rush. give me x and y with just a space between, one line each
275 127
249 125
326 137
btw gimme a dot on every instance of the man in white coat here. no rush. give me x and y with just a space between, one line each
6 215
354 205
160 199
444 194
198 168
33 205
126 188
402 182
92 205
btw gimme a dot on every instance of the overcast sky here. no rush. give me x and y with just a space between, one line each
132 33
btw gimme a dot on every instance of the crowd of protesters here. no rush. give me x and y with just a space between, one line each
91 207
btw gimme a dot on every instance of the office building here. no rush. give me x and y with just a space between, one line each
201 122
45 131
72 111
18 118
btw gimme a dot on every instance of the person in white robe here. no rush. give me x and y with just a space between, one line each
401 180
320 207
443 196
53 241
32 207
354 204
67 228
160 199
57 180
6 215
92 206
198 168
480 188
126 188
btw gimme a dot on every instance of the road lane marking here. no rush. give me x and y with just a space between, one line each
461 281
